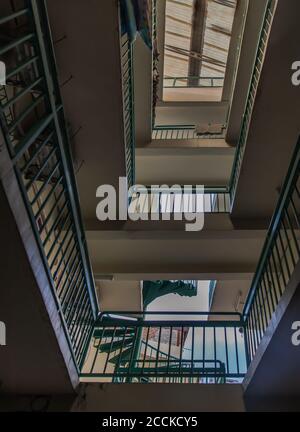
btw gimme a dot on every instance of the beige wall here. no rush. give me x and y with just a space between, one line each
190 113
119 295
209 167
159 398
255 14
200 94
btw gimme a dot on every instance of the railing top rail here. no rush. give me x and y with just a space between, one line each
175 127
199 313
193 81
180 127
139 318
193 77
192 190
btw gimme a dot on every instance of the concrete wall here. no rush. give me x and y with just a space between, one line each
204 255
230 295
254 19
37 358
209 167
89 53
200 94
159 398
142 91
191 113
274 371
119 295
274 127
34 359
235 48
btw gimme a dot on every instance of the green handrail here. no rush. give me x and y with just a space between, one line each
207 345
166 200
194 82
35 132
279 257
184 132
126 51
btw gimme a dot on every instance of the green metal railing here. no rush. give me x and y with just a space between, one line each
155 61
171 201
279 257
134 347
34 127
154 19
257 69
185 347
184 132
193 82
188 347
128 107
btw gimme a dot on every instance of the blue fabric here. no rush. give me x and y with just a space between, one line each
128 19
134 14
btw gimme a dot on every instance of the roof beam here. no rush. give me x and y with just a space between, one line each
197 36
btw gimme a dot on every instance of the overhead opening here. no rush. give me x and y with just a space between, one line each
197 40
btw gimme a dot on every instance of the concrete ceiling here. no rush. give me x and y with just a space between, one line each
275 127
88 60
217 254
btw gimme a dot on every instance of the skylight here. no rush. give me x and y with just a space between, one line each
197 40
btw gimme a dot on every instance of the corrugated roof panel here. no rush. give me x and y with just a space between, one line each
216 42
179 14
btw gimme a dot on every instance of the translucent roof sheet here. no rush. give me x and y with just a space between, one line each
178 33
218 21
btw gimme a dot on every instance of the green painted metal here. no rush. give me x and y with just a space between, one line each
169 201
279 257
212 288
35 131
42 163
149 347
126 49
155 289
13 15
183 132
193 82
